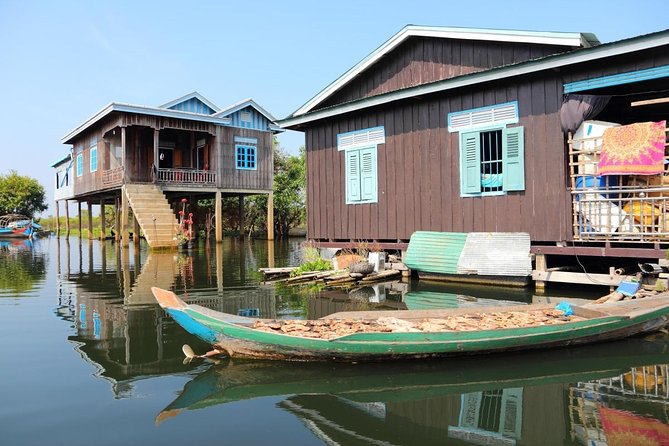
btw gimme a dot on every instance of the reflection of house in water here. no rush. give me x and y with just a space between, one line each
512 416
120 329
643 390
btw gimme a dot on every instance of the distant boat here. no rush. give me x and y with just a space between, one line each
17 226
393 335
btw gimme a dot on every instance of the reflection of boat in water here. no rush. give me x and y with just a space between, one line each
17 226
16 244
236 380
414 333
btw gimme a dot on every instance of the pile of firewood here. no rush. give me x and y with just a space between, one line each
332 328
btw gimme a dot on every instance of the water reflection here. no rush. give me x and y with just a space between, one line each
20 268
513 399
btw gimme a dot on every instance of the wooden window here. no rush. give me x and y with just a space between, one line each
80 164
361 176
245 157
492 161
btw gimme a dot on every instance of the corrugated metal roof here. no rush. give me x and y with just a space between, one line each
435 252
496 254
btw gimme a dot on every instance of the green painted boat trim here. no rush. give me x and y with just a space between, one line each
435 252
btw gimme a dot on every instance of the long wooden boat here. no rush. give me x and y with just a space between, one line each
417 333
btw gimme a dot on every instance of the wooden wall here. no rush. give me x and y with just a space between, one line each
421 60
419 171
232 178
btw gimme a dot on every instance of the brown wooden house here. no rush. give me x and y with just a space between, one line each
459 130
148 158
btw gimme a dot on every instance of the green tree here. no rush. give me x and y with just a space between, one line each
21 195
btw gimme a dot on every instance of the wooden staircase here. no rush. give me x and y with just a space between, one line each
154 214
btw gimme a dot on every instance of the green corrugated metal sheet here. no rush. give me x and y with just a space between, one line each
435 252
427 300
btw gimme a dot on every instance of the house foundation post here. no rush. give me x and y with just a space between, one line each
135 230
90 220
103 229
270 216
540 265
124 219
218 217
67 219
241 215
57 218
79 217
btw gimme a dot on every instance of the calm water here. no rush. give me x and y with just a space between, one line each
87 358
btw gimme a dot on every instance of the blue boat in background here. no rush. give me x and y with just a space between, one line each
17 226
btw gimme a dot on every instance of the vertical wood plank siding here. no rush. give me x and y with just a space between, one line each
421 60
419 166
418 171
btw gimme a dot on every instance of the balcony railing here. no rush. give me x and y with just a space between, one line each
112 177
615 207
186 176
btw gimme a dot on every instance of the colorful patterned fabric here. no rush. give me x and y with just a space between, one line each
635 149
626 429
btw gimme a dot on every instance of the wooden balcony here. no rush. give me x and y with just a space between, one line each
186 176
632 208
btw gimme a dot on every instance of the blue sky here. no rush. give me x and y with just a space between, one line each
62 61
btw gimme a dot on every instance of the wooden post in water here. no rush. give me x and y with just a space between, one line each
270 253
79 217
90 220
67 219
135 234
540 265
103 229
218 217
219 268
117 219
124 219
270 216
241 215
57 219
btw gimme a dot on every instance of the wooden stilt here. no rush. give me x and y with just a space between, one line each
57 218
241 215
270 253
103 229
270 216
136 229
219 267
117 219
79 217
218 218
90 220
540 265
67 219
124 219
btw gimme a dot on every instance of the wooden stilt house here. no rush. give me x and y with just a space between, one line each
147 158
461 130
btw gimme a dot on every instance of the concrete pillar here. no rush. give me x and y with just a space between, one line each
57 218
124 219
103 229
90 220
67 219
270 216
218 217
241 215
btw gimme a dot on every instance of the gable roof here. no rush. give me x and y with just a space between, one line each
241 105
576 40
189 96
625 46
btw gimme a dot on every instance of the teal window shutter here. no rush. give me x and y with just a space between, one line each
470 163
94 159
368 180
353 176
513 156
80 164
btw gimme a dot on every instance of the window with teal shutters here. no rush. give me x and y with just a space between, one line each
492 161
94 159
361 176
513 155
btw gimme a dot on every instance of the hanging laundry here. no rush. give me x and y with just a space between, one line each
635 149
